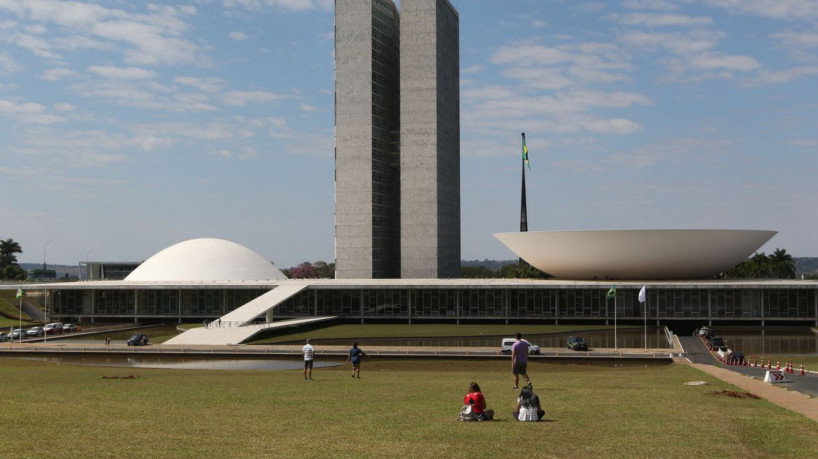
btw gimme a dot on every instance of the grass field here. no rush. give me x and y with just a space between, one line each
398 408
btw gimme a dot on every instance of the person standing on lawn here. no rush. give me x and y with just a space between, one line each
309 353
354 357
519 360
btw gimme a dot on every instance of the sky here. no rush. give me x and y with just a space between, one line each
127 127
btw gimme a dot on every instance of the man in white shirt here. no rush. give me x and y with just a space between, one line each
309 352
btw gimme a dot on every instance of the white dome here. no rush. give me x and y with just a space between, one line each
205 260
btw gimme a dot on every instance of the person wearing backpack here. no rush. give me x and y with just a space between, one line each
477 402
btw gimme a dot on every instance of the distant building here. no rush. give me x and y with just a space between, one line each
106 270
42 274
397 139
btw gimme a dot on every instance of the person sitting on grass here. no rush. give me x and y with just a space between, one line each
478 403
528 406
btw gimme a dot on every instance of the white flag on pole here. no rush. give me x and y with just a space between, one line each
642 295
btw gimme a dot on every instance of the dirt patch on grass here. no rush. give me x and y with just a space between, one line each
120 377
734 394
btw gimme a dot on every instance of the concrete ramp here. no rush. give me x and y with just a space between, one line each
214 335
260 305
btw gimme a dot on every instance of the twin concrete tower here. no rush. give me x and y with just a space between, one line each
397 139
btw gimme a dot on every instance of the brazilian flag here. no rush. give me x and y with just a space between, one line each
612 292
19 293
525 154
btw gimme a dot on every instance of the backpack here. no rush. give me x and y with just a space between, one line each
466 414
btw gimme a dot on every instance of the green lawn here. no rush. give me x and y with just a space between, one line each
398 408
352 331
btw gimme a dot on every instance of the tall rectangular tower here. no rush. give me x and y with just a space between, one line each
429 139
367 110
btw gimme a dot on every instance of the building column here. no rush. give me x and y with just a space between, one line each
457 305
709 308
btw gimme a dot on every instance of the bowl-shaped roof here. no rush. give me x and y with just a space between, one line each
635 254
205 260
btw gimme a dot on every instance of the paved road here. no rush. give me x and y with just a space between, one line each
697 353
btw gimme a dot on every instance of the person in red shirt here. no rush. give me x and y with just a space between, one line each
478 403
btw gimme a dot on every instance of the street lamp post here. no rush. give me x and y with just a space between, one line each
44 246
86 264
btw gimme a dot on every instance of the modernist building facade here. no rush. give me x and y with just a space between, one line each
397 147
453 301
209 279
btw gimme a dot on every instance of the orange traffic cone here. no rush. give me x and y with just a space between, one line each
801 371
777 365
770 364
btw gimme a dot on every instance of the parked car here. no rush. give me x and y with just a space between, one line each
18 333
576 343
69 328
54 328
3 337
35 331
138 339
717 343
505 346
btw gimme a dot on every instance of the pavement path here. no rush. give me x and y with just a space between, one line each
797 396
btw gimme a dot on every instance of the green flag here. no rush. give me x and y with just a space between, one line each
612 292
19 293
525 154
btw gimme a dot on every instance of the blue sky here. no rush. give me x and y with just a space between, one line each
126 127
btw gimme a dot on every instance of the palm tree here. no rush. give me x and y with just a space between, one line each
782 264
761 265
8 250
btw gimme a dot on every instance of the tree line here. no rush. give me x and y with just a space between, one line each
9 268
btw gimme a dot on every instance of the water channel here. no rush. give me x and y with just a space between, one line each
752 341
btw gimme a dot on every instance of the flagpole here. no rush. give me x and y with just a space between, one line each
523 206
615 345
643 299
20 316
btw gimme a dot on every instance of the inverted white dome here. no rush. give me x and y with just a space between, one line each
635 254
205 259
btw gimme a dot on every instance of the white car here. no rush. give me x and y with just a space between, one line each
505 346
18 333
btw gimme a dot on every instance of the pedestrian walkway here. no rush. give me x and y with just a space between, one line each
791 400
215 335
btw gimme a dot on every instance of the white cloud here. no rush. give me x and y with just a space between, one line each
486 92
27 113
64 107
8 64
57 74
472 69
238 36
657 5
781 76
287 5
308 108
775 9
804 142
204 84
662 20
722 61
149 38
122 73
241 98
591 7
